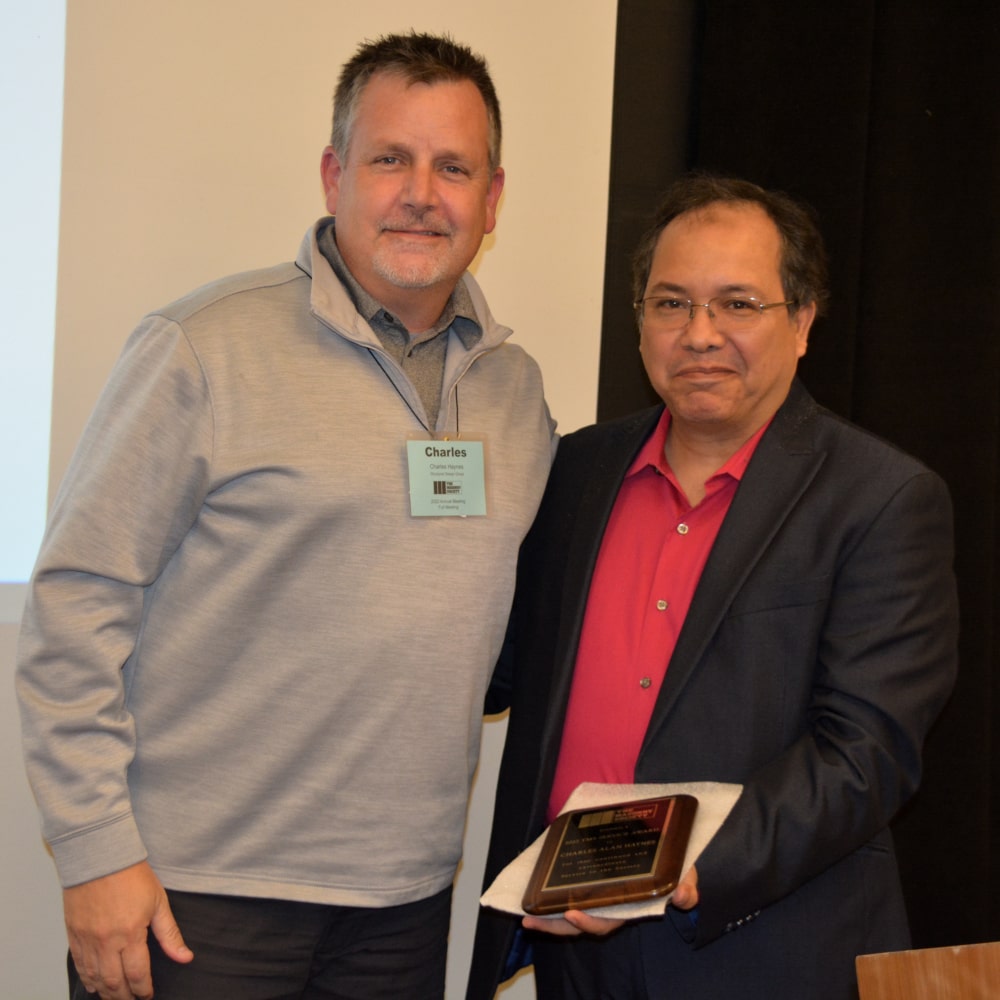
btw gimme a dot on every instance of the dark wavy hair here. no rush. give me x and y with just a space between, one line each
803 266
418 58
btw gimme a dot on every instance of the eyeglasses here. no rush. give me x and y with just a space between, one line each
728 312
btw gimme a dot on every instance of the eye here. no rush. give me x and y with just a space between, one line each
738 304
667 305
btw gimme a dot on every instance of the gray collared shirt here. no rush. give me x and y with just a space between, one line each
422 355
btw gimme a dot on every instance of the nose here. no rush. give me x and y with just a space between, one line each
420 187
700 332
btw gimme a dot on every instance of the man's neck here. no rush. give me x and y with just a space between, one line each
417 312
695 457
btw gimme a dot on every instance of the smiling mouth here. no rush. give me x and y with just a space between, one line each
703 372
420 233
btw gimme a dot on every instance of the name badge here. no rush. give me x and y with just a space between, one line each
447 478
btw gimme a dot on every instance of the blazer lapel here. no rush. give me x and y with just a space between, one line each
611 460
782 467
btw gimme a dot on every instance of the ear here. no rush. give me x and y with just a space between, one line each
803 322
493 199
331 169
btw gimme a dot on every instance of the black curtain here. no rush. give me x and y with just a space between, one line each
886 118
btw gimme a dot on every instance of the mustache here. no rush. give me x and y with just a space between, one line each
417 221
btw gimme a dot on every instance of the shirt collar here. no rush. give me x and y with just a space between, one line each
458 307
652 453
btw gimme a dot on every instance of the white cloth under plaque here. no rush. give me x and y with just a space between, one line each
715 800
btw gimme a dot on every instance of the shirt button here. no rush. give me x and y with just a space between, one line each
662 605
645 682
682 529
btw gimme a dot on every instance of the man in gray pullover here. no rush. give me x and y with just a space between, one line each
276 578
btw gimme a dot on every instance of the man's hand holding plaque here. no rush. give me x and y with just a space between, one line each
509 890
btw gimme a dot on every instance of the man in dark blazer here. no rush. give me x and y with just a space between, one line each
809 566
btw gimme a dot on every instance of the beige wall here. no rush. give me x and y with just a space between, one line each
191 146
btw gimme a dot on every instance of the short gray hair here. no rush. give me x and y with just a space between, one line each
417 58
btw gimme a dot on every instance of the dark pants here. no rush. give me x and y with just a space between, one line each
590 968
264 949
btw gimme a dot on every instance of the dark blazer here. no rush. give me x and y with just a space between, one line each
818 649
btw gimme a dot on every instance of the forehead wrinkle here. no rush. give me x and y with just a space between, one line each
391 146
729 288
667 286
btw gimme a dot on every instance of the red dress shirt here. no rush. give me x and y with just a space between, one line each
651 558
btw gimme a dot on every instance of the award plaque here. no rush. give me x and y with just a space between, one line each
611 854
